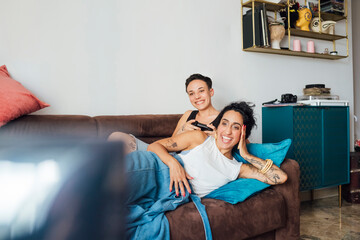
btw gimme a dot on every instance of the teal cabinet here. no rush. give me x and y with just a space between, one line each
320 141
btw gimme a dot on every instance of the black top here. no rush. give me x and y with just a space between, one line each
193 116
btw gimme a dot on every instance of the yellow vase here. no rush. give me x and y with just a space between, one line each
304 19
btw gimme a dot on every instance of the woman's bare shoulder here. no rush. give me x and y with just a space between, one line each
185 116
187 113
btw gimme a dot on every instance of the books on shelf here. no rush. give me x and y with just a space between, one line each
262 34
266 27
248 29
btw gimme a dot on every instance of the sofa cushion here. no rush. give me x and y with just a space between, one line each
145 127
259 214
274 151
15 99
50 126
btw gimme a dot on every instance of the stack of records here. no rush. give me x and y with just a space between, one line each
319 95
316 89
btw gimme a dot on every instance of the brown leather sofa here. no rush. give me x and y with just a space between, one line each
272 214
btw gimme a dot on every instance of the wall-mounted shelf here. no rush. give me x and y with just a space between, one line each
315 35
269 5
293 53
330 16
275 7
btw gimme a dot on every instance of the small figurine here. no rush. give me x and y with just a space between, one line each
326 26
294 14
304 19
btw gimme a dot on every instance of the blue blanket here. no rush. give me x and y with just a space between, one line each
149 196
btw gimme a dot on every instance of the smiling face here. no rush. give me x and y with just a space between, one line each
199 94
229 131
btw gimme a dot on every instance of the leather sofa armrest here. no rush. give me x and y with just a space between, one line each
290 190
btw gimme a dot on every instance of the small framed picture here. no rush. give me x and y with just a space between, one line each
313 5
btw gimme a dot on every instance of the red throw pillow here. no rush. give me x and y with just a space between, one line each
15 100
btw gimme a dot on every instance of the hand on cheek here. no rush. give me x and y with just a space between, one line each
242 137
242 144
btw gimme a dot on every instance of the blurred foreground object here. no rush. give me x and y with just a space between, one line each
61 189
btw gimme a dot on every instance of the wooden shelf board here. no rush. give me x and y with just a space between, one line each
269 5
315 35
293 53
330 16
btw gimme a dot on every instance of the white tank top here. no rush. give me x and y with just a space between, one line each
209 167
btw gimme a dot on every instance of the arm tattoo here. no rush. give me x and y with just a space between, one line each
271 176
257 175
276 178
254 161
171 144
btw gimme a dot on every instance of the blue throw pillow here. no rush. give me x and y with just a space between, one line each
240 189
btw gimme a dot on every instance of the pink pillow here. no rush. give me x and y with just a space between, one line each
15 100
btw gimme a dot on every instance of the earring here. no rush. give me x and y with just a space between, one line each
215 136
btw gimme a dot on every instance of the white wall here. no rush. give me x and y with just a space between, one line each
132 57
356 47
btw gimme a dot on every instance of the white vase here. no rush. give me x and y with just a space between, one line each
277 32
